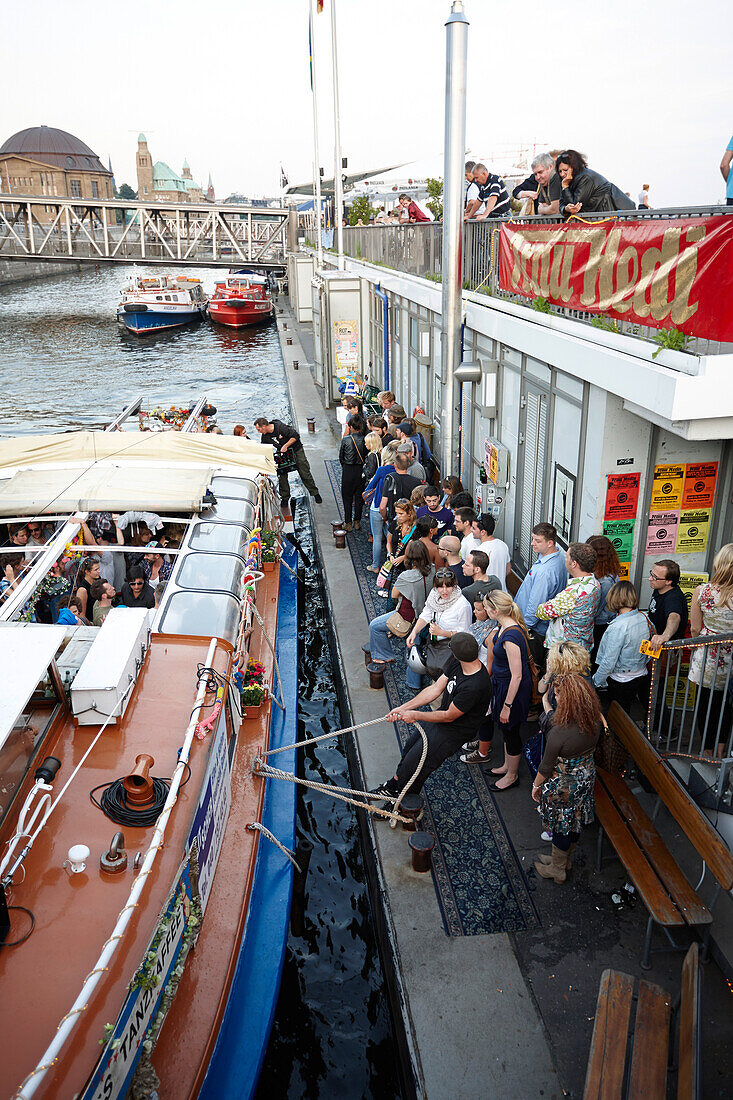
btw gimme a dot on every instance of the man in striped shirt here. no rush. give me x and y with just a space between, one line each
492 192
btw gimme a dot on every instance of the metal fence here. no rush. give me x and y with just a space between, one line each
688 718
417 250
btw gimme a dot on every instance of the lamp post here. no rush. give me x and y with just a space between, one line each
316 154
453 194
337 168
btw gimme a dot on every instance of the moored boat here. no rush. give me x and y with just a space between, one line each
241 299
160 302
131 823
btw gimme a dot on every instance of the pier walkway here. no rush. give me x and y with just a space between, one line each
496 972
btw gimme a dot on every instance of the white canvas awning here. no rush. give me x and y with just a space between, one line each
27 649
104 488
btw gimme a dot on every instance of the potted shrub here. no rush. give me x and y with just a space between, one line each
269 559
254 673
252 697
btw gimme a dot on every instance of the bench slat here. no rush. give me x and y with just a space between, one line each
651 891
690 817
607 1059
688 1078
651 1043
690 905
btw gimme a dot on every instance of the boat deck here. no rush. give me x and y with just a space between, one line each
75 914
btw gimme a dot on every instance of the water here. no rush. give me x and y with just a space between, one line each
65 363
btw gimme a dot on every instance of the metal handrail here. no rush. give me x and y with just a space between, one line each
673 698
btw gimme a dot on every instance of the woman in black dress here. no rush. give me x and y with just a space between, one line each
352 456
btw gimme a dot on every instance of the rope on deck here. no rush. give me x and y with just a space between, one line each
258 827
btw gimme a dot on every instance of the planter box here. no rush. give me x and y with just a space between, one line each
253 711
268 566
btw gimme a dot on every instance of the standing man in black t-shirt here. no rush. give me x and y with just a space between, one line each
668 606
466 689
397 485
284 438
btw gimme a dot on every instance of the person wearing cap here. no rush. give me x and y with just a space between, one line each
465 687
407 433
415 469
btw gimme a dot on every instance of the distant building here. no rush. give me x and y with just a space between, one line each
44 161
157 182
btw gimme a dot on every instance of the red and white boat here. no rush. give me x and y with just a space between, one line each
242 299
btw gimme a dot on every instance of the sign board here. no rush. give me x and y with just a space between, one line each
563 504
212 811
667 488
491 460
346 345
661 535
699 487
693 531
621 534
622 496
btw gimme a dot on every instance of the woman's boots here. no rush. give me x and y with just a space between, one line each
557 867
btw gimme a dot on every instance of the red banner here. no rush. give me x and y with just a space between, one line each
671 273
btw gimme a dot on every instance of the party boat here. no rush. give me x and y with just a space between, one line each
133 825
241 299
160 302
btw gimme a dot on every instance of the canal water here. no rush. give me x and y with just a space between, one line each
65 363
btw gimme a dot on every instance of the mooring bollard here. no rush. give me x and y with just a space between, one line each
285 325
311 421
422 845
295 364
367 655
340 537
335 526
411 806
376 675
289 341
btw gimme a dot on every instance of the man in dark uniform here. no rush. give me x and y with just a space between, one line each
285 439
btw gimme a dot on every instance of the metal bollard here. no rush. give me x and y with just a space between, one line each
422 845
289 341
311 421
411 806
336 526
295 364
367 655
340 537
376 675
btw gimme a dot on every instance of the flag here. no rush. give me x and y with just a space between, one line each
283 178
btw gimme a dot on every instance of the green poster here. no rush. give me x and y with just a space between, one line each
621 534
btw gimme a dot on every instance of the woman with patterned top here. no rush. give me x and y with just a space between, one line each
572 612
711 612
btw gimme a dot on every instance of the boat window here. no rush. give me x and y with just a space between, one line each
238 511
219 572
214 614
167 297
227 538
239 488
159 297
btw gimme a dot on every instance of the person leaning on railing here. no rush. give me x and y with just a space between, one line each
711 612
585 191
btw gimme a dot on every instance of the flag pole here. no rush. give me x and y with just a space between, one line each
338 183
316 155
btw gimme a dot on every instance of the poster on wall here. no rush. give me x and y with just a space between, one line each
667 488
345 345
491 460
661 535
689 582
624 570
621 534
563 503
699 487
693 531
622 496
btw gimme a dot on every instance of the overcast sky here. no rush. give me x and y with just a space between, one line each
643 89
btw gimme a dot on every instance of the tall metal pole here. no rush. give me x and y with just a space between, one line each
338 185
316 155
453 193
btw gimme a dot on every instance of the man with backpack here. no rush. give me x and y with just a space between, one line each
397 485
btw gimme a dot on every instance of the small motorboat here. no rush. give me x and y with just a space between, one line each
160 302
241 299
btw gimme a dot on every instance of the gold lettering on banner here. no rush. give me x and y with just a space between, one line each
685 277
627 270
595 239
606 294
515 243
560 271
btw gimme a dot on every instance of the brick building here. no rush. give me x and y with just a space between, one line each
158 182
45 161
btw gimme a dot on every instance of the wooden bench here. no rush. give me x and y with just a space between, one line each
669 898
630 1057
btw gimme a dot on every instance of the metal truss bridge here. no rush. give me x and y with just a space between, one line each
54 230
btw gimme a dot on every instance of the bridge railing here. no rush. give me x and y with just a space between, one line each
417 250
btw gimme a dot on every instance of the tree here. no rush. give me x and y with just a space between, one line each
360 208
435 200
126 192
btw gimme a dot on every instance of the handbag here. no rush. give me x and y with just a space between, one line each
399 623
437 655
534 750
609 752
384 574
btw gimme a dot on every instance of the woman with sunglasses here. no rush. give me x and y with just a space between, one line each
511 688
446 612
136 592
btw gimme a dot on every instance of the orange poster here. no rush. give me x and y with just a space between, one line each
699 488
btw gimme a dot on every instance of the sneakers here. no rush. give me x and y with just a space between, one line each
348 527
372 569
470 746
384 790
546 836
382 592
357 525
318 498
475 757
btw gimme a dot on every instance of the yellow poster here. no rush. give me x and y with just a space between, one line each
693 531
667 488
689 582
623 574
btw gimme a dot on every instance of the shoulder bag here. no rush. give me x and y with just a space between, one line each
609 753
401 620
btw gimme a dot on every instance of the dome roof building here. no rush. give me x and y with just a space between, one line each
158 182
45 161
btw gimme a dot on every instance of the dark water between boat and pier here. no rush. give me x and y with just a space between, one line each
66 363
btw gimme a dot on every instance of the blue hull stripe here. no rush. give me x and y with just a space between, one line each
240 1048
153 322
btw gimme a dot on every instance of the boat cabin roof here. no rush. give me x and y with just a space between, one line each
27 648
244 280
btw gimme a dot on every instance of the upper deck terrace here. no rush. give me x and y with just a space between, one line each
663 276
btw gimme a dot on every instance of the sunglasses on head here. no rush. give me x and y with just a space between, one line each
445 575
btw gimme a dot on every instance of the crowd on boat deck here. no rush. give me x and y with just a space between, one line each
557 653
92 575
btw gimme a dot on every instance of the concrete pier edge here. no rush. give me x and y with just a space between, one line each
469 1017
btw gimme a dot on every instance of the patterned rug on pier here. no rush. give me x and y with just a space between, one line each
479 881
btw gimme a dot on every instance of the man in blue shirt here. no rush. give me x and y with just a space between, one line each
725 168
545 579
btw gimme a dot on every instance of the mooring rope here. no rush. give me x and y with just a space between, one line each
258 827
323 737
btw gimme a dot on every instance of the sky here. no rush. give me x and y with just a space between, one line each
644 90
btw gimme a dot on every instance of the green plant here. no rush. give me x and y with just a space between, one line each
269 554
434 278
670 339
435 197
542 305
603 321
268 539
252 695
360 210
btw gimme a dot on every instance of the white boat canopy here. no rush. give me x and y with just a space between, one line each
117 472
27 648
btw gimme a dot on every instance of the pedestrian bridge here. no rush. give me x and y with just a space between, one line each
57 230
